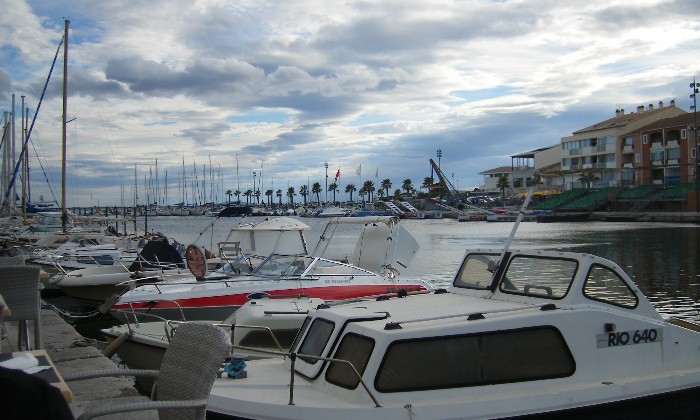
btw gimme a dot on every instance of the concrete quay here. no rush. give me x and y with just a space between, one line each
71 353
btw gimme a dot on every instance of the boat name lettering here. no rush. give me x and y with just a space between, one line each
336 281
624 338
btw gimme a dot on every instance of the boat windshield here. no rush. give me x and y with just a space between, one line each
277 265
541 277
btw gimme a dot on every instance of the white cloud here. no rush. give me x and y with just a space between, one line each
297 83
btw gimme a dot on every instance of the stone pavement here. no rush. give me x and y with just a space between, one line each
71 353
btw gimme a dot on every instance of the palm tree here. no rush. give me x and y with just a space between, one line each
333 187
587 178
397 193
407 185
290 195
238 196
385 185
362 193
279 197
268 193
229 193
304 191
247 195
316 189
350 188
503 184
427 184
368 186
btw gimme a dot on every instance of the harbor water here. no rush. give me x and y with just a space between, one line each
662 258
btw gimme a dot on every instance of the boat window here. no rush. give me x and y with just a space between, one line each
315 340
604 285
263 339
275 265
356 349
477 271
475 359
539 276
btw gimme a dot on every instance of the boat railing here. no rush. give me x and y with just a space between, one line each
468 315
135 321
131 306
293 356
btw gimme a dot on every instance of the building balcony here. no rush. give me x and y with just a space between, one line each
627 149
672 162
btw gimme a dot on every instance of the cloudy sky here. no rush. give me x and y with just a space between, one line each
288 85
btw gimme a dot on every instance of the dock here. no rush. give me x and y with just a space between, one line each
71 353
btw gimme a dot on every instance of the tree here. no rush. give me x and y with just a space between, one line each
290 195
238 196
229 193
316 189
588 178
407 186
268 193
247 195
350 188
397 193
304 191
427 184
385 185
279 197
503 184
333 187
368 186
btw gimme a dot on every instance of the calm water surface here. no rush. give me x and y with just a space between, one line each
662 258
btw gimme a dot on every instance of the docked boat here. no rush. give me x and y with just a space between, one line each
92 286
382 244
518 334
261 324
81 252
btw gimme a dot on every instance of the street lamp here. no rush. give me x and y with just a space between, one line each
254 173
326 166
439 155
695 87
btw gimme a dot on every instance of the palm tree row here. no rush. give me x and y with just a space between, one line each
368 190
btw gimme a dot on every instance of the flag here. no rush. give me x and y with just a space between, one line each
358 172
337 175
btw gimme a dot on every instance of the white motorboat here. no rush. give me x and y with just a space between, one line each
82 252
519 333
161 261
92 286
381 245
260 324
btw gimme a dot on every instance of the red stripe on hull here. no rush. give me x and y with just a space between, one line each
329 293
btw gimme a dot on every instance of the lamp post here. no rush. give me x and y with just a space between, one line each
439 156
694 86
254 173
325 165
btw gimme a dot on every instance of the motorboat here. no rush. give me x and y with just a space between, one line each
162 260
258 325
332 211
518 334
327 273
82 252
92 286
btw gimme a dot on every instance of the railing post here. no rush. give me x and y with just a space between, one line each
293 358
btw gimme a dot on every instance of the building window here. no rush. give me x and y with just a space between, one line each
645 140
692 153
637 158
683 133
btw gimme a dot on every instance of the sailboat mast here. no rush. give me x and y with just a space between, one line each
64 210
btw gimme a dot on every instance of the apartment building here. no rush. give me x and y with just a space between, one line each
663 153
607 149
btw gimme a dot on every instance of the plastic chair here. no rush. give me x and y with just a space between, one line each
14 260
19 286
184 381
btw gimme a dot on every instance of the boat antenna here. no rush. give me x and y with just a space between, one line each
533 183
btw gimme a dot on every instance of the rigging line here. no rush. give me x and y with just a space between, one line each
29 133
43 171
